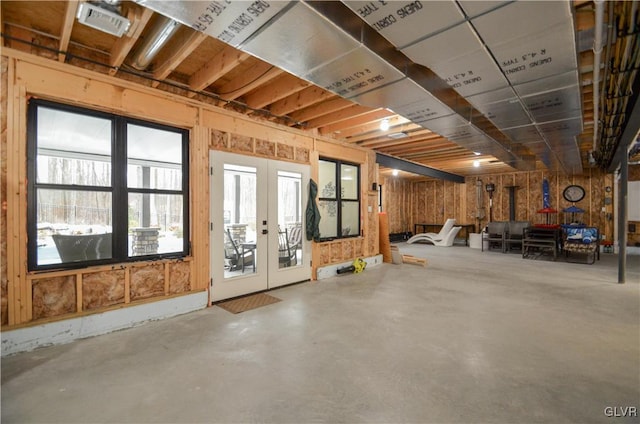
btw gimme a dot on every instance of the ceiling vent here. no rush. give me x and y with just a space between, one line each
397 135
102 19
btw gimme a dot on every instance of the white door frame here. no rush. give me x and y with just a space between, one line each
268 274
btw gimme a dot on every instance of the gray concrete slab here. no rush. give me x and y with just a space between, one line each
473 337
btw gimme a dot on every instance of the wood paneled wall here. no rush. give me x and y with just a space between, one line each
32 298
433 201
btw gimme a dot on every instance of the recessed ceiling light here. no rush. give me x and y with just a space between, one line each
395 172
384 124
477 153
476 163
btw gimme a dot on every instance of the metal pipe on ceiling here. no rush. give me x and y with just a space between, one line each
154 41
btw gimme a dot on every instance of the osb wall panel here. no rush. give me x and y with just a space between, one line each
528 197
521 182
4 295
219 140
285 151
100 289
54 296
336 251
634 173
179 277
147 281
325 253
241 143
358 250
265 148
347 249
302 154
395 194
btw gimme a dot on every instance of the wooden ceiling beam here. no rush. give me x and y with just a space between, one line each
67 26
375 115
404 143
258 75
321 109
219 65
419 132
300 100
121 48
284 86
397 123
192 41
341 115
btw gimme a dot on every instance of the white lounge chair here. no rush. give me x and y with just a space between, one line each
448 225
445 241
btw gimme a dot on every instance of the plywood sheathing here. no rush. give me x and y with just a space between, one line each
147 281
54 296
100 289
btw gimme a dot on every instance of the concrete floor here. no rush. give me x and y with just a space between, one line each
474 337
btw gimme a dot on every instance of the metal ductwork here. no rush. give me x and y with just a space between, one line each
508 79
158 36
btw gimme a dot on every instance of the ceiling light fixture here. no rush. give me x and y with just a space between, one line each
477 153
384 124
395 172
476 163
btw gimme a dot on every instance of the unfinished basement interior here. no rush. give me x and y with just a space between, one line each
320 211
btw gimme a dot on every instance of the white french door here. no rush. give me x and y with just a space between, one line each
257 224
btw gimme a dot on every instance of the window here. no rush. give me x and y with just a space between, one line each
104 188
339 199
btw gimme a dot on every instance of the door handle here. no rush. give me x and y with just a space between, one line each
265 231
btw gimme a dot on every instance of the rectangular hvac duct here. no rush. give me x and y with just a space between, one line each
357 72
406 98
504 113
473 8
472 73
524 134
231 22
402 23
300 41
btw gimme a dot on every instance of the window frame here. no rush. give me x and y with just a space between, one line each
118 188
338 199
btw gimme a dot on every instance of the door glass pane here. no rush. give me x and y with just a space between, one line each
73 226
350 219
240 210
154 158
328 218
289 219
349 181
155 224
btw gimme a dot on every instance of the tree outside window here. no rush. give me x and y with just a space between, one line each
103 188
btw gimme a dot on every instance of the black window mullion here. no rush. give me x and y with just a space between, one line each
186 223
339 197
32 195
120 196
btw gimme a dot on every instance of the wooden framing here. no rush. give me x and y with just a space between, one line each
33 76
